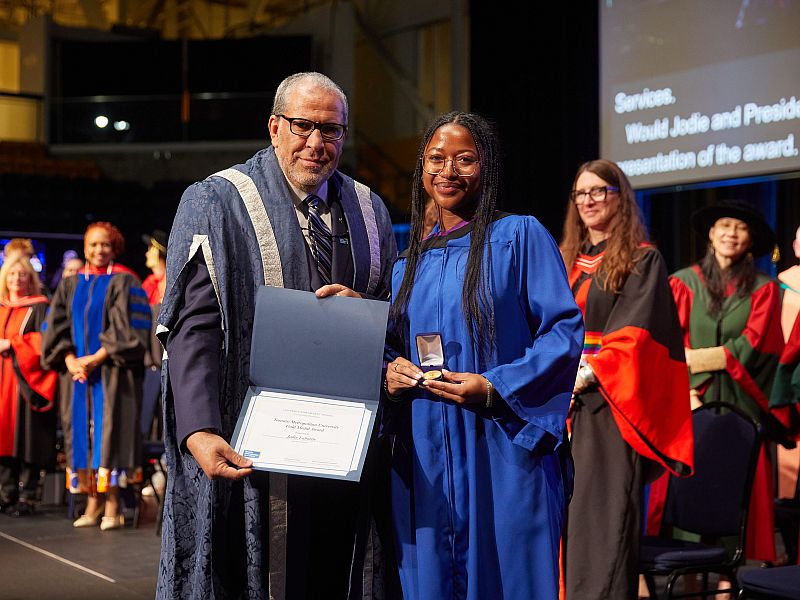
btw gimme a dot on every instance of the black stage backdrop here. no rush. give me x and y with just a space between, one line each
534 72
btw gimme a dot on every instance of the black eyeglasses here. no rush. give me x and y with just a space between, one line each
463 166
598 193
330 132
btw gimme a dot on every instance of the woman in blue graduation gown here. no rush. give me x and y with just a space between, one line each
481 475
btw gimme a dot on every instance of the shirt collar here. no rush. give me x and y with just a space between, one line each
298 195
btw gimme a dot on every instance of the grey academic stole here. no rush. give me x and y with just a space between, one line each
273 276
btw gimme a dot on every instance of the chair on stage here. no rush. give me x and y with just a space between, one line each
780 583
713 503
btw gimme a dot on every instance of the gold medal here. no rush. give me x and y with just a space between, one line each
429 375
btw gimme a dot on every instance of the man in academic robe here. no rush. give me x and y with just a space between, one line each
285 218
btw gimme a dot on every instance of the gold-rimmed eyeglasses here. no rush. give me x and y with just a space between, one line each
463 166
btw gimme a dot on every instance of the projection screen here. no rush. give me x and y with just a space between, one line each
699 90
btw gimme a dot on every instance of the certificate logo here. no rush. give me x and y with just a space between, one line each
251 454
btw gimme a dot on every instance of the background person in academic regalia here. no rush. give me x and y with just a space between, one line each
286 218
70 264
789 282
24 246
630 415
785 398
153 285
156 261
480 468
96 336
27 392
730 316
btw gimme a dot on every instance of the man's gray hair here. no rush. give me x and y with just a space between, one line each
310 77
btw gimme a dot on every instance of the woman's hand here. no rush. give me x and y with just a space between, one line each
463 388
91 361
401 375
5 346
580 385
75 368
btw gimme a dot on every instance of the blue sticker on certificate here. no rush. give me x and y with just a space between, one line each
251 453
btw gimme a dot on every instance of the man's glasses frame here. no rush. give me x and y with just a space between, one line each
599 193
330 132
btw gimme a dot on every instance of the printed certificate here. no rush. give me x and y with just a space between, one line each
315 380
305 435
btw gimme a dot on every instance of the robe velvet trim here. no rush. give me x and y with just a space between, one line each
649 397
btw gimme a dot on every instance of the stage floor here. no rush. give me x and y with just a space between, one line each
43 556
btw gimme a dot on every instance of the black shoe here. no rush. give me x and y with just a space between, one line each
23 509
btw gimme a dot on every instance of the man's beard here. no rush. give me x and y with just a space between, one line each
307 179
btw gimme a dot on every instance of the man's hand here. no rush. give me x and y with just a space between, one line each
336 289
215 456
463 388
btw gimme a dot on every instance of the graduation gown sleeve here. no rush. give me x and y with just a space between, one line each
785 396
126 335
537 386
649 397
38 385
752 357
195 346
57 331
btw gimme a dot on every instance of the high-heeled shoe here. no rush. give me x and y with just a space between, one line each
107 523
89 520
86 520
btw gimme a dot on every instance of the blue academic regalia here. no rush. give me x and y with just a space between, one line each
238 539
479 494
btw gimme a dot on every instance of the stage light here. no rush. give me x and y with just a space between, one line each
122 125
101 121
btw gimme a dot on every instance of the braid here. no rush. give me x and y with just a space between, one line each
476 302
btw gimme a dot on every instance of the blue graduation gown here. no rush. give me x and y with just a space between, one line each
479 494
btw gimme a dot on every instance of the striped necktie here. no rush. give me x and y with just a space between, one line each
321 239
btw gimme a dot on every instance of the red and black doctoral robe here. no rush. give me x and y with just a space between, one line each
27 418
637 414
634 348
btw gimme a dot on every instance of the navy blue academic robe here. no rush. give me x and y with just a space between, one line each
478 495
225 539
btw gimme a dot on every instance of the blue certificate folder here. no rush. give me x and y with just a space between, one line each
324 353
